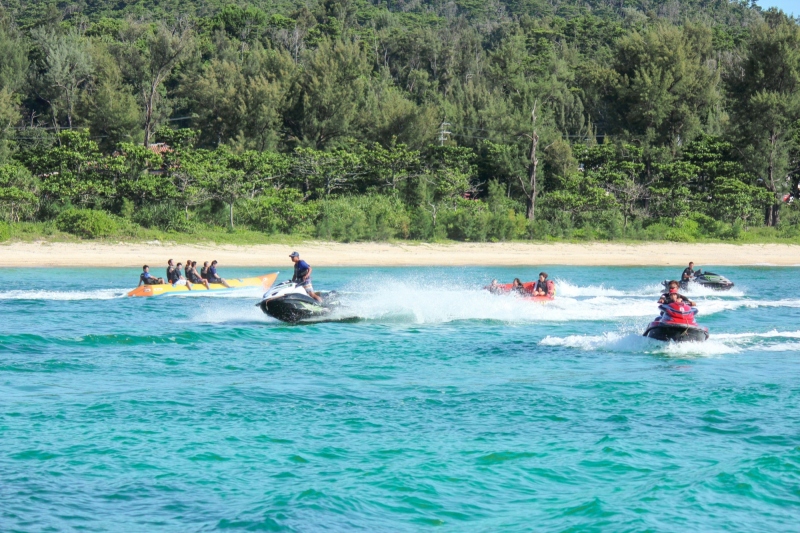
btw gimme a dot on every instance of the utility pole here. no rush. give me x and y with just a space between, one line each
443 132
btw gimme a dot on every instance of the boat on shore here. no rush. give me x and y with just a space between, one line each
264 282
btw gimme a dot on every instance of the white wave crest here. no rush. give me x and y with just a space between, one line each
424 303
717 344
783 347
695 289
637 343
390 299
568 289
99 294
773 334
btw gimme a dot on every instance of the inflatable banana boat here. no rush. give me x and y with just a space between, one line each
264 282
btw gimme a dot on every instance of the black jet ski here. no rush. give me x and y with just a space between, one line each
289 302
677 324
706 279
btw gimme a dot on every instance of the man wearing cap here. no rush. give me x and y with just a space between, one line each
302 275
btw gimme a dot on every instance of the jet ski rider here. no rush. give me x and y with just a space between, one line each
302 275
674 298
688 272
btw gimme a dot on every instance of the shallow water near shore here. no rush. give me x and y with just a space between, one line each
426 404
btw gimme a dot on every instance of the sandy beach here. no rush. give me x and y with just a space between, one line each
88 254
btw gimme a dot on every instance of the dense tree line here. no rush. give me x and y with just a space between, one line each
345 119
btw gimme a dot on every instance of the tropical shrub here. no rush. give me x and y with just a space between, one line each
353 218
88 223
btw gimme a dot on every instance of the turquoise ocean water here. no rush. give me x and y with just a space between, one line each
443 408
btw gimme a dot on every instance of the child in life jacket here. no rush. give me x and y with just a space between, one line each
673 288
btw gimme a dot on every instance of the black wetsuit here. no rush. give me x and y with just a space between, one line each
665 297
191 275
173 275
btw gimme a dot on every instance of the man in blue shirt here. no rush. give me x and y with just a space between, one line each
147 278
302 275
213 277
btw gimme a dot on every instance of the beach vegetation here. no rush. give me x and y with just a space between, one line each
255 121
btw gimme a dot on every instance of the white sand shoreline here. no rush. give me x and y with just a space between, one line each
91 254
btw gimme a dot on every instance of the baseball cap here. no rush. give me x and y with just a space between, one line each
294 254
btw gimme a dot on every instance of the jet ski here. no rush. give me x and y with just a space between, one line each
706 279
289 302
676 323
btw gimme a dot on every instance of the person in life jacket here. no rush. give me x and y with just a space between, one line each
677 311
191 274
544 286
177 278
213 277
147 278
672 287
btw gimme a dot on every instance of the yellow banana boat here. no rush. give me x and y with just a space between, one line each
265 282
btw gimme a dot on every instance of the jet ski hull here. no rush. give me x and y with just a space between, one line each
715 285
707 279
294 308
662 331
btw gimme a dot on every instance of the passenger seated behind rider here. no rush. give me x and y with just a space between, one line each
212 277
540 287
192 275
178 277
148 279
673 298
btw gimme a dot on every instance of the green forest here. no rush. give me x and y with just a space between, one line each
469 120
